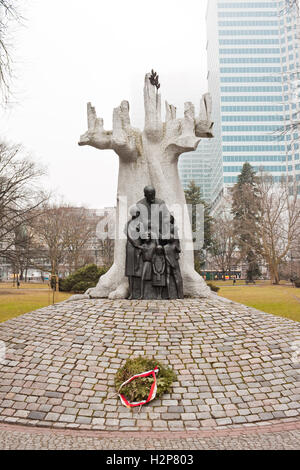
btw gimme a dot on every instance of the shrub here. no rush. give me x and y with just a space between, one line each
213 287
297 282
139 389
83 279
82 286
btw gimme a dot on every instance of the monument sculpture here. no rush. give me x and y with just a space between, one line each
152 251
149 158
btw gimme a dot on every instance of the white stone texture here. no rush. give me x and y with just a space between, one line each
150 158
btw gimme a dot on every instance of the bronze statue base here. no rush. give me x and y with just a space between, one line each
152 292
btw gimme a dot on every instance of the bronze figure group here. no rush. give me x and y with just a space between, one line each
152 250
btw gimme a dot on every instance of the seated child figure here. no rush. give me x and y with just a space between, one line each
158 268
172 250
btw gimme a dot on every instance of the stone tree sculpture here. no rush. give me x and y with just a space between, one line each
150 157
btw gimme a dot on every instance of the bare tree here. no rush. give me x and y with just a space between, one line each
21 196
279 226
24 254
223 241
49 230
106 248
9 13
79 229
63 234
288 6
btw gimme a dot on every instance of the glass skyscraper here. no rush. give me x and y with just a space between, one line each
253 76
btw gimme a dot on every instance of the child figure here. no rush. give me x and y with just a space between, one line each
159 267
147 250
172 250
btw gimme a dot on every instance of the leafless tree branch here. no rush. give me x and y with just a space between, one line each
21 197
9 14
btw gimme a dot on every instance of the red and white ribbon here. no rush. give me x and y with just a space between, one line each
152 392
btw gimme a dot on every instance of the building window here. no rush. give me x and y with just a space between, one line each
254 148
245 42
250 70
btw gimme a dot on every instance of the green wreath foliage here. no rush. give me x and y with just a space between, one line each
139 389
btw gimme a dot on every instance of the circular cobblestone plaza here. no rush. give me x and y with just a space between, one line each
236 366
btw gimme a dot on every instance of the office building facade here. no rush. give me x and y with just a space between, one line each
253 76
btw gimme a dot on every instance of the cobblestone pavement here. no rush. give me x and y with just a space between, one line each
235 365
13 438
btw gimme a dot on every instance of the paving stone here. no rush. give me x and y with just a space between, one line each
67 418
54 394
52 417
292 413
36 415
188 416
170 416
224 421
127 422
176 409
83 420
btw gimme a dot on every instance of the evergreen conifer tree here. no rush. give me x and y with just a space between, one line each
246 214
193 196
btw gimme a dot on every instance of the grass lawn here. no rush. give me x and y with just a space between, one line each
282 300
28 297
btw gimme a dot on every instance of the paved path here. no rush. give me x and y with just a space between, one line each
267 437
235 365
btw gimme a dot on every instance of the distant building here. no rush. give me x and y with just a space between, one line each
4 264
204 167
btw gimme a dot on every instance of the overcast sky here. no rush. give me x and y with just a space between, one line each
73 51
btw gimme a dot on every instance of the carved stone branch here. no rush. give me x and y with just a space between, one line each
180 133
95 136
123 139
204 124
